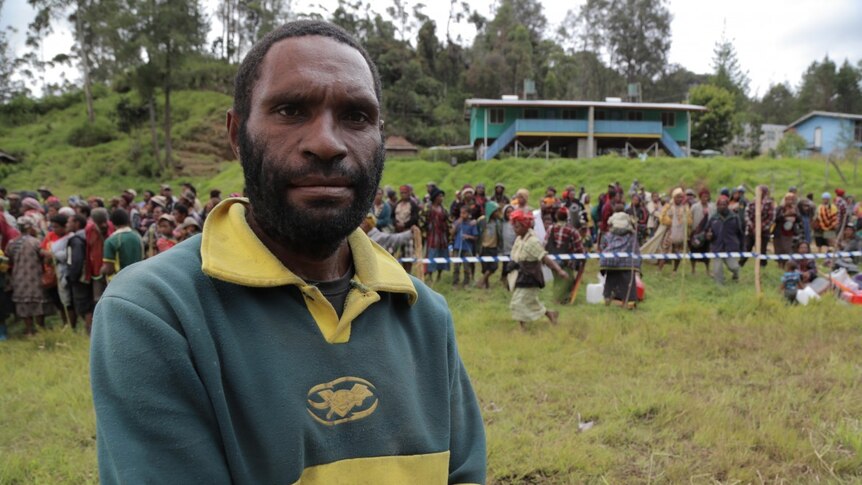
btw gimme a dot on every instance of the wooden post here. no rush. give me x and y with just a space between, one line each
485 143
758 236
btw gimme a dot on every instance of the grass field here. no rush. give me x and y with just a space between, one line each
702 384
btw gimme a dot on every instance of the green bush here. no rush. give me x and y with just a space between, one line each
791 144
91 134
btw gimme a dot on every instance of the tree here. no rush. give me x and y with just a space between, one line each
92 26
848 94
163 34
584 30
714 128
778 105
518 53
638 38
818 87
244 22
673 85
508 49
727 72
9 86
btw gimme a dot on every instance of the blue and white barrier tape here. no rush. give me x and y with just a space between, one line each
648 257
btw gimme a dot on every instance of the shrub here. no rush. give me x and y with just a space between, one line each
91 134
791 144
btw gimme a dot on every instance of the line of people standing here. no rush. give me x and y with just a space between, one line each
57 258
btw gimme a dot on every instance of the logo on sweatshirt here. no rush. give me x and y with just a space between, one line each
342 400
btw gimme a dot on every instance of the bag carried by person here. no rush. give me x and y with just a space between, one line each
530 275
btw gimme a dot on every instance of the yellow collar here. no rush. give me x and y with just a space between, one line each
231 252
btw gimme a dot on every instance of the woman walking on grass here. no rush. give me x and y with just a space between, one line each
528 256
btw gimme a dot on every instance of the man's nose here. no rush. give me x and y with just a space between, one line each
324 139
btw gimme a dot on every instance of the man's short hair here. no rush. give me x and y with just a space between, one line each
119 217
60 219
181 208
99 215
80 220
249 70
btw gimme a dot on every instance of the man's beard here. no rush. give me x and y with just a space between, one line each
305 231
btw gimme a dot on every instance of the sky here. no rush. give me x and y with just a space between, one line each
775 40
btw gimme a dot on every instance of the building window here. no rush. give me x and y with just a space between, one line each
497 116
531 114
857 134
600 114
571 114
668 119
636 115
770 136
615 115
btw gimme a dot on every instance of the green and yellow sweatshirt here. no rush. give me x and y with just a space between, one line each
212 363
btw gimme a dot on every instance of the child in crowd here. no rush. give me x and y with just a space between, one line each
166 226
465 232
791 281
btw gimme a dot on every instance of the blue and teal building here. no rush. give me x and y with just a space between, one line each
578 129
828 133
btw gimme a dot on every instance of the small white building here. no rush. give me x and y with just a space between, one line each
770 137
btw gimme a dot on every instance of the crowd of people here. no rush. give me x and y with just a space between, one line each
478 222
59 257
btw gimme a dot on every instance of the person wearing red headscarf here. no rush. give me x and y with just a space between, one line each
526 279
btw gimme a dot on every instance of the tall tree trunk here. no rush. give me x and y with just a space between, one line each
151 107
85 62
169 161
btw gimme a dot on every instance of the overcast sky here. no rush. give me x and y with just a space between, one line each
775 39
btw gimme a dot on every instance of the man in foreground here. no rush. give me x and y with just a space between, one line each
283 346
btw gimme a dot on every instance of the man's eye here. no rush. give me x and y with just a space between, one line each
289 111
357 117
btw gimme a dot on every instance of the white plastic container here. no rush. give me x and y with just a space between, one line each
819 285
806 295
595 292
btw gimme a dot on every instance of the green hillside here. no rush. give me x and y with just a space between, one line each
48 157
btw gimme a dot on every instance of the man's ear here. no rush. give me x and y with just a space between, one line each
232 124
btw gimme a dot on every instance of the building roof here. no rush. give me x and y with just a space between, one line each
539 103
827 114
395 142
